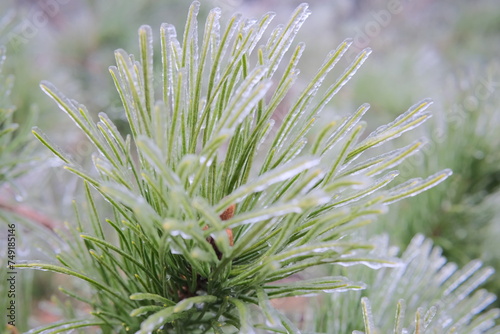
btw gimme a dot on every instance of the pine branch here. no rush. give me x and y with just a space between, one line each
177 262
424 294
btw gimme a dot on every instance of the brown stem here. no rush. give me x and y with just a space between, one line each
27 212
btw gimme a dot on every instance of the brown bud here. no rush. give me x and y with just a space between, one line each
228 213
230 236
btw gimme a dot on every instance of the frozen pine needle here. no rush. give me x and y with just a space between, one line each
214 198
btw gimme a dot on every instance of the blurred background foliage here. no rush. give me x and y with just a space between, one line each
443 49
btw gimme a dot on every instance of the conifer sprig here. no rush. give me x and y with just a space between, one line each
15 145
424 294
177 261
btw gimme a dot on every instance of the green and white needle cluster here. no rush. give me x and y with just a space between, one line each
205 136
